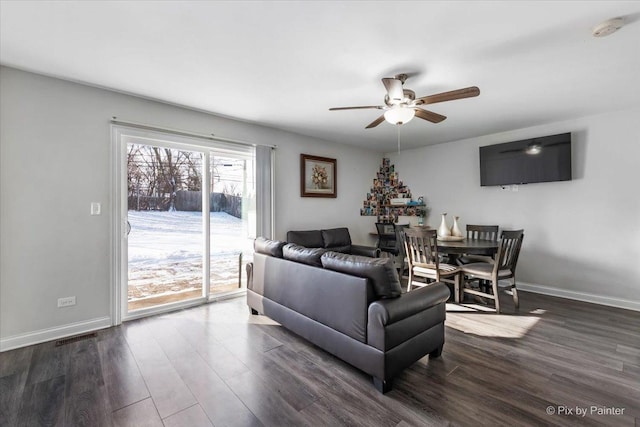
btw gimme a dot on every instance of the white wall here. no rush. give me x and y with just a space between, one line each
582 237
55 152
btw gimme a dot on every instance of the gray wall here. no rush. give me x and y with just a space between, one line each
55 152
582 237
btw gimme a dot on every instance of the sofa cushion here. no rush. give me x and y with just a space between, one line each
343 249
268 247
380 271
297 253
337 238
308 239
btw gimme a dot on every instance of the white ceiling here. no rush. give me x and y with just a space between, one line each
284 64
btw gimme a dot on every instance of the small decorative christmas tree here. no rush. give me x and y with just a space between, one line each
383 200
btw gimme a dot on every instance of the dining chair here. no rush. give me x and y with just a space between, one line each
387 238
482 232
503 268
421 247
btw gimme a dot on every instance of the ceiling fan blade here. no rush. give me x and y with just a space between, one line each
377 107
394 88
429 115
467 92
376 122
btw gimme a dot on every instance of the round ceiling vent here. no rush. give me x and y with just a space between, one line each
608 27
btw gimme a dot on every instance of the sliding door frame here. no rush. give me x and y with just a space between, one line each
118 198
122 136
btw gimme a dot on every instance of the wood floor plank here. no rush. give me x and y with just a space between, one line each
281 379
521 403
332 381
217 400
168 391
221 360
267 406
215 397
86 399
322 410
14 368
330 386
631 371
15 361
604 393
47 361
122 377
192 417
43 404
290 340
11 389
140 414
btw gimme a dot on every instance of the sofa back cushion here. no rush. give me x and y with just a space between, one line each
268 247
337 239
297 253
336 300
380 271
308 239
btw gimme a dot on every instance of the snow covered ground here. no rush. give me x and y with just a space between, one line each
165 251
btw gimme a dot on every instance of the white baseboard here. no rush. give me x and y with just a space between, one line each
50 334
71 329
580 296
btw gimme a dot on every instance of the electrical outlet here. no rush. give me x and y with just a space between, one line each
95 208
66 302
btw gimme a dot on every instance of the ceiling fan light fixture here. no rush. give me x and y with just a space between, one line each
399 115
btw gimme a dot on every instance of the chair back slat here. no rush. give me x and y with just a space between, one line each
509 250
483 232
421 246
399 229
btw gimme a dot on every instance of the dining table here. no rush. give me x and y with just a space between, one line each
455 248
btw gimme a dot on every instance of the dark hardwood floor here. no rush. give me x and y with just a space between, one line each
217 365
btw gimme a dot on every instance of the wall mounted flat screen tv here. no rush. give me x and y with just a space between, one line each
542 159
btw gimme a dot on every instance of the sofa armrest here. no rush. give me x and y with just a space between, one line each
393 321
249 275
369 251
388 311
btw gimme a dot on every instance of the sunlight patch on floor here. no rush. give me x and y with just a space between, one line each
471 321
262 320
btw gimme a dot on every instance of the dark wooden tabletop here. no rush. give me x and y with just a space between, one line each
468 246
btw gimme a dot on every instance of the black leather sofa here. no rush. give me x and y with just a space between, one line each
334 239
351 306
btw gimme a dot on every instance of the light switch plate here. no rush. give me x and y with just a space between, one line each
66 302
95 208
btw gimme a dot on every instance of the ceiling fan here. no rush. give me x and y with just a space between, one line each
401 104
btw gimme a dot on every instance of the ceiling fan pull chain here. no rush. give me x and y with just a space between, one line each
398 127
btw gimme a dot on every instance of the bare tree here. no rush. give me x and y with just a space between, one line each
160 173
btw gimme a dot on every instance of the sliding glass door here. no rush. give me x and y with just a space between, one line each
188 220
164 214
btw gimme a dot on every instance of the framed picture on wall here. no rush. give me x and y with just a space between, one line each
318 176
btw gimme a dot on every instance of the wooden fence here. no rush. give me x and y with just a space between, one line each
188 201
